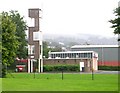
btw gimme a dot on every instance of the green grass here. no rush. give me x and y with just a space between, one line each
53 82
0 85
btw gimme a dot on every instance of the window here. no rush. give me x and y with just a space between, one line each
56 55
32 49
70 55
82 55
51 55
89 55
85 55
77 55
74 55
63 55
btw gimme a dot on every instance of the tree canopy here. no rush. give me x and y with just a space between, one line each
20 33
0 41
0 34
13 38
45 49
116 21
9 39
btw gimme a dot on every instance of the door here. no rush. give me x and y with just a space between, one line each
81 66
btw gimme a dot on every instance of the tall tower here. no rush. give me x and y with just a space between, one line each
35 41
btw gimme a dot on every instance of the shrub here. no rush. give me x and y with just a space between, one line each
56 68
109 68
3 72
75 68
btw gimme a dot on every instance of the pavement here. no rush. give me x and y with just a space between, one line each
102 72
107 72
96 72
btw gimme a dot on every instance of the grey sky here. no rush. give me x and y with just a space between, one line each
68 16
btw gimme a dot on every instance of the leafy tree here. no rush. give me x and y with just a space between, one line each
56 49
9 41
116 22
45 49
0 47
0 34
20 33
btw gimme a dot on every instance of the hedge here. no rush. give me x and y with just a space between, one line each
71 68
109 68
67 68
76 68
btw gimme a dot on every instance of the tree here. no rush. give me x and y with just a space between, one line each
9 41
0 48
45 49
21 26
116 22
0 34
56 49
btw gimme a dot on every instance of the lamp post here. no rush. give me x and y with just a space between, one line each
92 74
62 72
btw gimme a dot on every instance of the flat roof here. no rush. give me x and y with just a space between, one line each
95 46
72 52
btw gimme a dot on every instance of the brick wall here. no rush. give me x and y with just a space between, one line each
109 63
63 61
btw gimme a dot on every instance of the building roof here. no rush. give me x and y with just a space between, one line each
95 46
72 52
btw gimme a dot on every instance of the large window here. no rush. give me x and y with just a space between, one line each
31 49
71 55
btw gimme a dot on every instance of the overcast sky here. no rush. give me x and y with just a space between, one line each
68 16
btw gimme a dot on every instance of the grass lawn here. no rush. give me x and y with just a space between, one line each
53 82
0 85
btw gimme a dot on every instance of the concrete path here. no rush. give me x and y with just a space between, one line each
97 72
107 72
102 72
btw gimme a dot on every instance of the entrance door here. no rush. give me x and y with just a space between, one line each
81 66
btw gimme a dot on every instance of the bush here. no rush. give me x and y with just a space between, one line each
48 68
3 72
109 68
75 68
58 68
